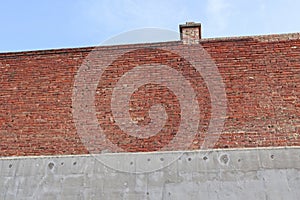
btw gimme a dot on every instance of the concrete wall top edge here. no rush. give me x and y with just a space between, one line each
225 150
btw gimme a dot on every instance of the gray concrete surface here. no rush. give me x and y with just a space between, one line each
265 173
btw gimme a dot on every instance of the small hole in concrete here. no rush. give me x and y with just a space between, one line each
224 159
147 193
131 163
62 163
161 159
189 159
74 163
51 165
272 156
148 159
10 165
239 160
205 158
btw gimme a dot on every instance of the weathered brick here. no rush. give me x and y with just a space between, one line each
261 76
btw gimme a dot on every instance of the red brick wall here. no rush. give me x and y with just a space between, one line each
261 75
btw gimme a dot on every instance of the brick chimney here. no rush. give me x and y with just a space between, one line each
190 32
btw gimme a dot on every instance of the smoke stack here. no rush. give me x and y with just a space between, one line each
190 32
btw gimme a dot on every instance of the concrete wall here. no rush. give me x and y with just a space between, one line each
266 173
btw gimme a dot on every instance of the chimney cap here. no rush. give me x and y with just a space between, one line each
189 24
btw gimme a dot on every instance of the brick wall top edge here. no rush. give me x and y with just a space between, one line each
85 49
258 38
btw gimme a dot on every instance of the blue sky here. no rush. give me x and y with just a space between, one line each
51 24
